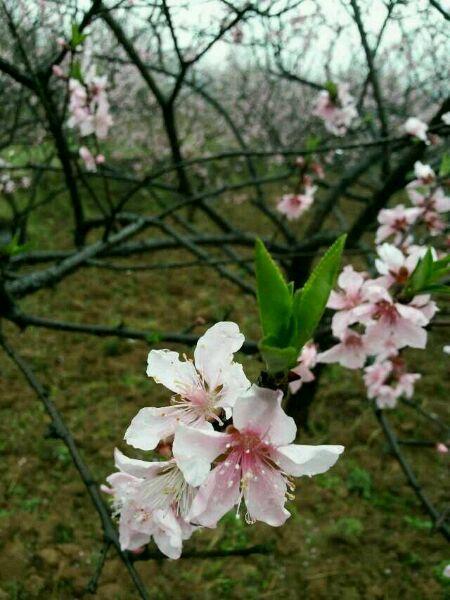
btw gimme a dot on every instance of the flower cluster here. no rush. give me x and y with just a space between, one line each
428 201
337 110
9 183
387 380
250 461
295 205
374 320
90 161
89 106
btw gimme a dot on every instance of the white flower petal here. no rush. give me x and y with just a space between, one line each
151 425
165 367
194 451
298 460
167 533
214 352
135 467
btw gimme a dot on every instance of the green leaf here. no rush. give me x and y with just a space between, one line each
332 89
277 359
12 248
77 37
274 297
312 142
444 169
437 289
310 301
421 274
75 71
439 274
442 262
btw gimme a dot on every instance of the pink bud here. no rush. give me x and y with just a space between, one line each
441 448
61 42
138 550
100 159
307 180
57 71
318 170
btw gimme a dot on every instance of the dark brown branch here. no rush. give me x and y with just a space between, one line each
391 437
24 320
50 276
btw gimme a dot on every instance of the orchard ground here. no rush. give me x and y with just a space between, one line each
357 531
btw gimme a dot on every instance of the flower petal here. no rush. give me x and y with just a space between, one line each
167 533
217 495
135 467
130 536
260 411
166 368
298 460
194 451
214 352
151 425
235 383
350 280
265 495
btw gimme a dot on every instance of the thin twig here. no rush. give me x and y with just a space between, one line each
391 437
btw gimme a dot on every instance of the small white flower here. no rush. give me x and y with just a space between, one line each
202 388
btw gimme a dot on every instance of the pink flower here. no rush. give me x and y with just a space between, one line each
202 390
425 305
442 449
152 499
9 187
439 202
89 106
424 172
88 159
433 222
352 293
394 265
391 322
294 205
337 114
416 128
57 71
386 381
405 385
375 375
257 458
395 221
386 397
306 361
102 118
351 352
351 284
